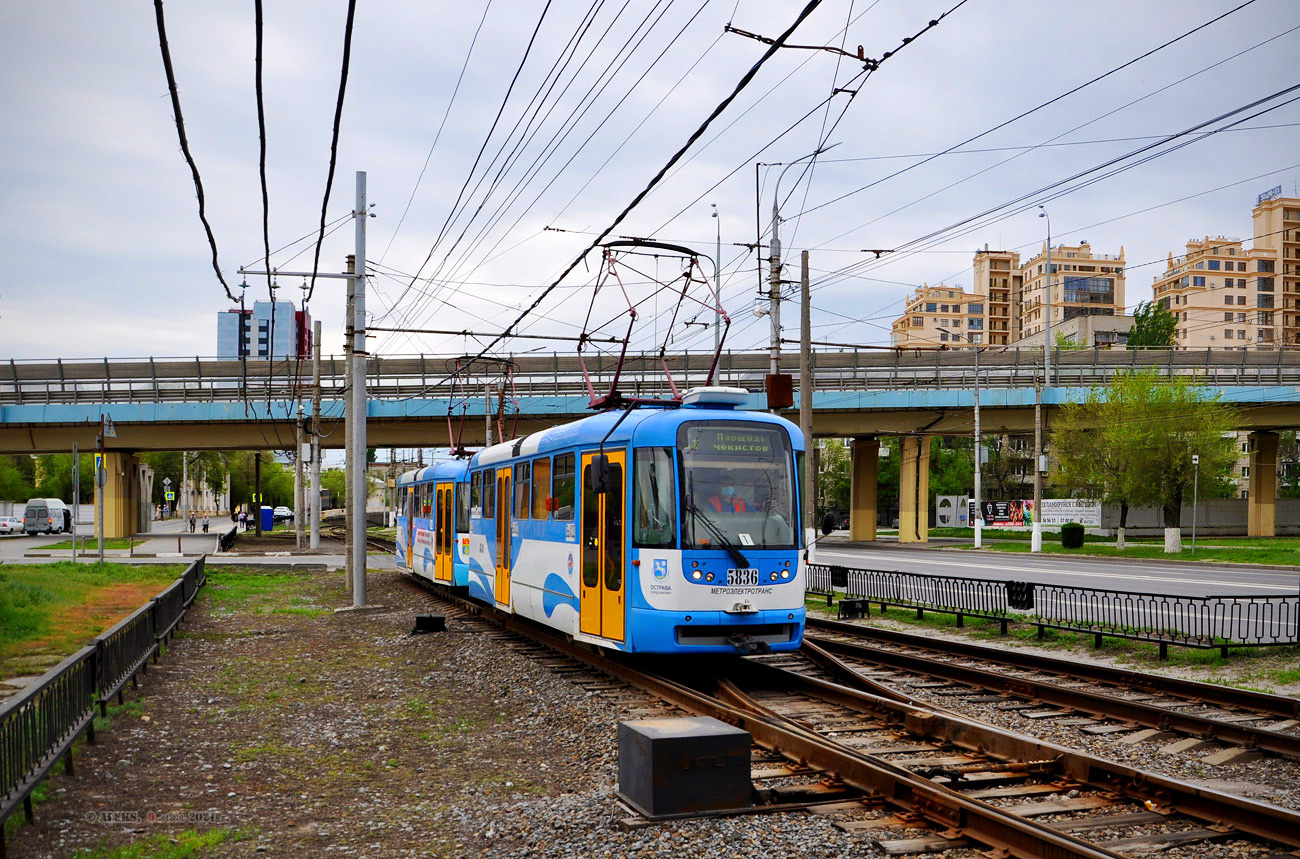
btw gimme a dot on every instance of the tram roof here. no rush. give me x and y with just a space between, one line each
449 470
646 426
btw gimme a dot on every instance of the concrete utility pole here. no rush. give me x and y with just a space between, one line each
101 478
1047 299
314 541
1036 538
806 398
297 481
76 498
257 491
349 491
358 463
185 489
487 416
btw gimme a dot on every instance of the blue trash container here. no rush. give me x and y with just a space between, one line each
268 518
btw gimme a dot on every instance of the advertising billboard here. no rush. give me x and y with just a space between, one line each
1055 511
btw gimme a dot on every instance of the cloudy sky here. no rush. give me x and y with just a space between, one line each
105 254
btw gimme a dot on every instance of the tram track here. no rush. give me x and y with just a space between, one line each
919 779
1187 715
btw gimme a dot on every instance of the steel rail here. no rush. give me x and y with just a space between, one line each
1259 819
1082 700
1263 702
900 788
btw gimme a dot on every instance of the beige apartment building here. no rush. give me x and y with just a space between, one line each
1009 298
1083 284
1227 296
940 316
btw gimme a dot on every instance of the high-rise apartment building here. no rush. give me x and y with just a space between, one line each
997 278
1083 284
266 331
1227 296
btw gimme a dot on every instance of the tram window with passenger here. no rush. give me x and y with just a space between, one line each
562 484
737 484
475 490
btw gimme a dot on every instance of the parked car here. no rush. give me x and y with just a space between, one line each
282 514
11 525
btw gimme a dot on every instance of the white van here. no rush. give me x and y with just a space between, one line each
46 516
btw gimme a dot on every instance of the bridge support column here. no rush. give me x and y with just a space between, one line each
1262 517
914 490
862 495
127 490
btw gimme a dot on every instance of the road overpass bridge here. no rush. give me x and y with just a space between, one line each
210 404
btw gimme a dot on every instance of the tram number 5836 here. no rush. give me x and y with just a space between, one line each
747 577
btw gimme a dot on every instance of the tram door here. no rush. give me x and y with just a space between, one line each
600 603
410 527
504 497
442 533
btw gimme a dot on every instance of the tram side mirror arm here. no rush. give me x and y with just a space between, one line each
598 474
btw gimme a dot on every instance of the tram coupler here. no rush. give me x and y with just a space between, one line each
747 646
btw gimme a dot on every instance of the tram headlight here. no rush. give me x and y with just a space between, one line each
785 574
773 576
696 574
708 577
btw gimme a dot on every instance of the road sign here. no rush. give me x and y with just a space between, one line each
167 481
110 431
169 496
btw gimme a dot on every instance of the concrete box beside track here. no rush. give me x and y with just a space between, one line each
683 766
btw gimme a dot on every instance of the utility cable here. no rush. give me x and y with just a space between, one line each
334 144
185 144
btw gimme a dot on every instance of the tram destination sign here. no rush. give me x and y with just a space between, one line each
737 443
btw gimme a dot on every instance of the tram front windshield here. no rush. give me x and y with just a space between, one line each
737 483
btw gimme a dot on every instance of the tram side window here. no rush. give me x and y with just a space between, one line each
655 517
428 500
489 495
476 489
462 508
799 476
541 488
562 483
523 505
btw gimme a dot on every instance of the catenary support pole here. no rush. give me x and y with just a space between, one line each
101 479
257 492
805 400
314 540
76 498
297 482
185 489
979 507
717 281
349 491
358 463
1036 536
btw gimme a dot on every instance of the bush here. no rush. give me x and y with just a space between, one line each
1072 535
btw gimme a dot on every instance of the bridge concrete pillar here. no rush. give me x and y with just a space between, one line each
862 493
914 490
125 501
1262 516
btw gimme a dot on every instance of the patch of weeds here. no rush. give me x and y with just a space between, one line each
168 845
264 750
417 708
302 611
43 792
1286 676
133 707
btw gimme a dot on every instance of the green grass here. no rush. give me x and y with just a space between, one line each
50 610
168 845
92 544
1282 556
248 589
1009 534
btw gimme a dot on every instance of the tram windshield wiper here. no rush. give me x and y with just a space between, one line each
736 554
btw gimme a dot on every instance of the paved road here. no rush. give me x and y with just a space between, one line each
1162 577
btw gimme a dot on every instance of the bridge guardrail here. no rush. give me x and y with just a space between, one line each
40 725
1186 621
193 379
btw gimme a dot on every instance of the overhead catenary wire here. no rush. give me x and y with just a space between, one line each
185 144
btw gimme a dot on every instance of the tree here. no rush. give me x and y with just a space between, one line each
1153 327
1004 478
17 480
834 479
1134 440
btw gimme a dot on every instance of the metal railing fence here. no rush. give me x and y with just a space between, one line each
40 725
1163 619
560 375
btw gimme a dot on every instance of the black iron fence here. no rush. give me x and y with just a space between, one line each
41 724
1186 621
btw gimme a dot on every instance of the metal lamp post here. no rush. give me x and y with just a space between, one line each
1036 537
1196 491
978 520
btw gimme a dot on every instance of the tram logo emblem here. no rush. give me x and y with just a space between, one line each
571 563
661 568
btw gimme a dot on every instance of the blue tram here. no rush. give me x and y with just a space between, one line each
433 523
652 530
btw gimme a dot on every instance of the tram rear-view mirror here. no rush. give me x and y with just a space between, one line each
598 474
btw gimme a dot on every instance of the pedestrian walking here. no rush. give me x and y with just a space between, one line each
243 520
205 523
194 520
